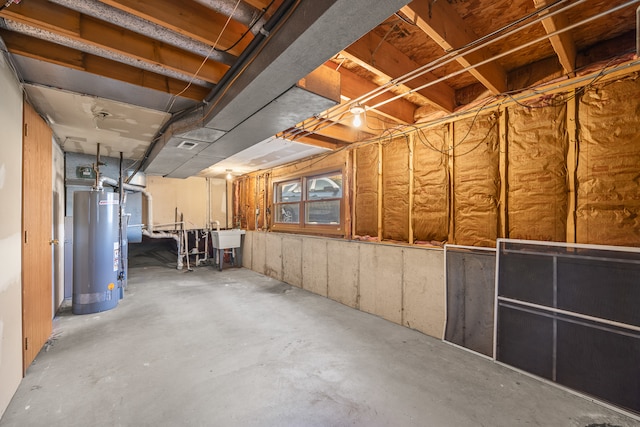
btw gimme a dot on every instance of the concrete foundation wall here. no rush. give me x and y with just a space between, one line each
404 285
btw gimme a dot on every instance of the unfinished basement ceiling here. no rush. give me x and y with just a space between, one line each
223 76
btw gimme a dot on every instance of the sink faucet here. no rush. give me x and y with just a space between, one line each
217 223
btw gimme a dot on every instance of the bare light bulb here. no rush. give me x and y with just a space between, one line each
229 176
357 121
356 110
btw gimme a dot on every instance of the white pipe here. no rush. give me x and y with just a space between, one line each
162 235
149 211
112 182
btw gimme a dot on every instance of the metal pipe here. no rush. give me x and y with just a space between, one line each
142 26
242 11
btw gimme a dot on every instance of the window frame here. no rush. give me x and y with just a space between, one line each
302 226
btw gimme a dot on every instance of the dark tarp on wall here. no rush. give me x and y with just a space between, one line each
537 173
431 185
476 180
395 189
608 205
470 277
590 354
366 209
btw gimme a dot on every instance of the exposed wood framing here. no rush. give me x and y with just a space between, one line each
451 238
72 58
572 166
380 191
412 145
503 226
354 192
348 196
441 22
187 18
563 43
383 59
65 22
354 86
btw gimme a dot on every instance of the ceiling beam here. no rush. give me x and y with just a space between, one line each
353 86
59 20
72 58
562 43
312 139
189 18
380 57
440 21
332 129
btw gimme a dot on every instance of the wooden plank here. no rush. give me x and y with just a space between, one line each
563 43
354 86
71 58
190 19
347 195
451 238
315 140
51 17
441 22
621 70
354 193
503 226
572 166
412 144
374 54
331 129
36 230
380 191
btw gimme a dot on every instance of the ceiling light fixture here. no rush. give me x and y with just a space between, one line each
229 176
356 110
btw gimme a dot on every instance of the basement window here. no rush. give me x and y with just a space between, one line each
309 202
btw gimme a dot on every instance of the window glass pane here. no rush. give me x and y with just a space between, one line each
290 191
324 212
324 187
287 213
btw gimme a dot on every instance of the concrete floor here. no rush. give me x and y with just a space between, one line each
234 348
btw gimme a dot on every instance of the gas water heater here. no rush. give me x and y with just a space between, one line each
97 251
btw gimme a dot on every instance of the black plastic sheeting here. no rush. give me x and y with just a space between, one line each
470 298
592 345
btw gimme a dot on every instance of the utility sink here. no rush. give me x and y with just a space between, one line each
226 239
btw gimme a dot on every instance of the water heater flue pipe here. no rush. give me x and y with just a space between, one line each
112 182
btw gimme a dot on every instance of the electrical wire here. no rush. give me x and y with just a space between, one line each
263 12
204 61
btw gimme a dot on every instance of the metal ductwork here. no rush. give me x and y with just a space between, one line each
272 87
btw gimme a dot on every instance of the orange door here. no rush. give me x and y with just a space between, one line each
36 235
